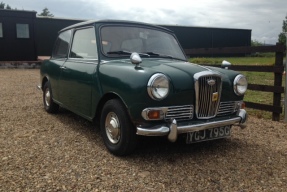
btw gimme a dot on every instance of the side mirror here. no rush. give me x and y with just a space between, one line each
225 64
135 58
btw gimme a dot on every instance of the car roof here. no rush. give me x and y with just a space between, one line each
92 22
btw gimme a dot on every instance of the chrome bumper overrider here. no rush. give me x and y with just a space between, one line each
173 129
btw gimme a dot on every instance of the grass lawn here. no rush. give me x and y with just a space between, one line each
261 78
235 60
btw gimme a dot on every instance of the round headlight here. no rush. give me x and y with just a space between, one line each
158 86
240 84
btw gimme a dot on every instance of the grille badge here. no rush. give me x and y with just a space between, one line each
211 82
215 96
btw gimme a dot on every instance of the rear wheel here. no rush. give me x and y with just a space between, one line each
116 128
49 104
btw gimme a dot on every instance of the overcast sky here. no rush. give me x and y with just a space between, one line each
263 17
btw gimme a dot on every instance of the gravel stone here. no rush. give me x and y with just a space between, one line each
64 152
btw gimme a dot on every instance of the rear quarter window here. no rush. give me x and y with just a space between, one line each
61 47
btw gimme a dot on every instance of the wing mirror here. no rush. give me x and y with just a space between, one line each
225 64
135 58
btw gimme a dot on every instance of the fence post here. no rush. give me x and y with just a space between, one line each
277 82
285 89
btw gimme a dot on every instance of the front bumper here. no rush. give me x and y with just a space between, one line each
173 129
39 87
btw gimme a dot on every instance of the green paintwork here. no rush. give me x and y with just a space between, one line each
77 94
83 84
130 83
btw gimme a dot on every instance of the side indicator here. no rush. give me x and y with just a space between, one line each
243 105
155 114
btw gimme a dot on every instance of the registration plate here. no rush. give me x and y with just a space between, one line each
208 134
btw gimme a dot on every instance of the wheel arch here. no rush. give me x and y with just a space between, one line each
44 80
103 100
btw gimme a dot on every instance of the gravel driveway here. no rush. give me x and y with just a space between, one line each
63 152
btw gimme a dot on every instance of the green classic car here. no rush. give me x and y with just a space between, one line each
134 79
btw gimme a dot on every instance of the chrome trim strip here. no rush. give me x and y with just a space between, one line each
205 73
164 130
228 107
150 86
145 112
237 78
209 125
174 129
244 117
201 95
206 68
160 131
181 112
184 112
172 136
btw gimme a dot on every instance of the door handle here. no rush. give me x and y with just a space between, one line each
63 67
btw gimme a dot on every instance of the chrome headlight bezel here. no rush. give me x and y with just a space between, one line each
158 81
240 85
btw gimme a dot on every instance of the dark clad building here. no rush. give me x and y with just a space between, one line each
46 29
23 36
17 38
209 37
188 36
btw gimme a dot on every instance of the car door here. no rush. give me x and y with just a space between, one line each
59 57
78 73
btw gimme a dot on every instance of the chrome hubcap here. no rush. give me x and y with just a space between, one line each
47 97
113 128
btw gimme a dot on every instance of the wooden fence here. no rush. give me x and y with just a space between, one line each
277 69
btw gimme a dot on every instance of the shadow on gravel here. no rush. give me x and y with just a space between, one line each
80 126
213 161
160 146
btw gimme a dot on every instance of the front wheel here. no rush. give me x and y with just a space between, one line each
49 104
116 128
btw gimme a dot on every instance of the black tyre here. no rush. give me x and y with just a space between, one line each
49 104
118 133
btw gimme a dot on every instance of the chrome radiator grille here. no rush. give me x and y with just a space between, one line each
184 112
208 91
226 108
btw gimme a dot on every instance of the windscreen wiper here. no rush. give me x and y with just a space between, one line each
123 52
162 55
159 55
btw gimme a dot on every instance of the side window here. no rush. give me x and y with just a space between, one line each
22 31
84 44
62 45
1 30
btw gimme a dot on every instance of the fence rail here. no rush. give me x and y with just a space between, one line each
277 89
236 50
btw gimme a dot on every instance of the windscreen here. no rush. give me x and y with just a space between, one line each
117 40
